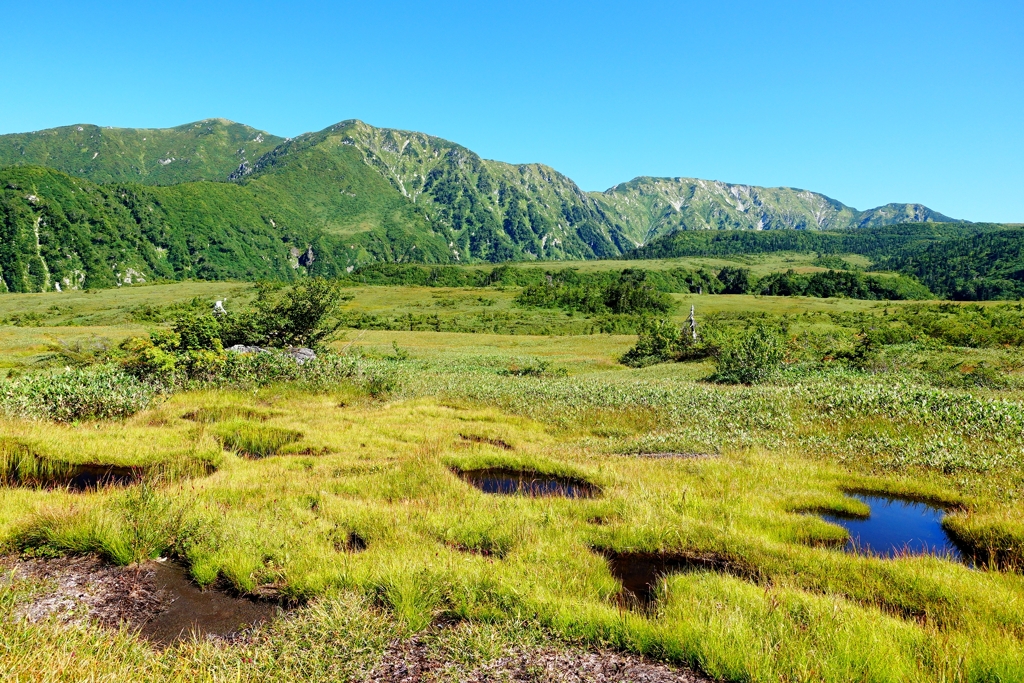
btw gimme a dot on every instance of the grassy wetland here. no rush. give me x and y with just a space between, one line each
336 489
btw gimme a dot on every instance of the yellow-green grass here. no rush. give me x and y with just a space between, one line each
104 306
800 609
436 546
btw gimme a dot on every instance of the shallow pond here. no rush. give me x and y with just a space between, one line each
509 482
897 527
187 610
640 572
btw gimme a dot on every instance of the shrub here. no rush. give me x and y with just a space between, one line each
195 332
658 342
296 316
99 392
753 356
143 358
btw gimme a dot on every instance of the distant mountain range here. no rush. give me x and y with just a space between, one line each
89 206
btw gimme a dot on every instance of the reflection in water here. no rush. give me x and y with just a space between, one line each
897 527
503 481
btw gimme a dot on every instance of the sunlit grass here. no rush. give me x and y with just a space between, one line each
265 490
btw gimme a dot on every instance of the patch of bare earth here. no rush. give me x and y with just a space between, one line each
411 661
79 589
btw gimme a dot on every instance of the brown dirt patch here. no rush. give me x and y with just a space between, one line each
411 661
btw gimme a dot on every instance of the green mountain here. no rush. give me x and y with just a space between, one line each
89 206
204 150
648 208
486 210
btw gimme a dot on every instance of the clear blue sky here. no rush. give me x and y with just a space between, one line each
869 102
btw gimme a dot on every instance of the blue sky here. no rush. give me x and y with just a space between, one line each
868 102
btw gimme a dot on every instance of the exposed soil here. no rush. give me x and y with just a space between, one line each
157 598
84 588
411 661
509 482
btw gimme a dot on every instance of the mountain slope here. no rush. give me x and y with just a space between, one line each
58 231
204 150
487 210
648 208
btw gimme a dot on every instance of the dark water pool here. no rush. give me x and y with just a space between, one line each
639 573
508 482
897 527
74 477
87 477
188 610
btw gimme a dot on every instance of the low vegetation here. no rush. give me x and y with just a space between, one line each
259 472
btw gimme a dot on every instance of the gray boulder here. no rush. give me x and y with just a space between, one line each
299 354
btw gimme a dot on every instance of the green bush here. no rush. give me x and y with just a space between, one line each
300 315
142 358
658 342
195 332
753 356
93 393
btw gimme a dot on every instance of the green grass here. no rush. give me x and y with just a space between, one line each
254 440
332 463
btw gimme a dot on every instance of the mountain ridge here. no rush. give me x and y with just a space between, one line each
226 200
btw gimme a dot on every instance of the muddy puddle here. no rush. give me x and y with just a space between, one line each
187 610
897 527
639 572
41 473
509 482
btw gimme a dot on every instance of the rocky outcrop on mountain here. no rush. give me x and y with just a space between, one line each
648 208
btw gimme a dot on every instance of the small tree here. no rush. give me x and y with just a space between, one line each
296 316
752 357
657 342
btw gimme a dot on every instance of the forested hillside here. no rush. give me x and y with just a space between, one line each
971 266
57 231
954 260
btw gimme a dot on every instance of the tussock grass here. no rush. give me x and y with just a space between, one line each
255 440
801 610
